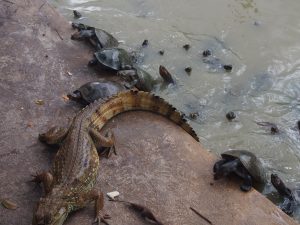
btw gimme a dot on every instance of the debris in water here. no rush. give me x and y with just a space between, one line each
206 53
230 116
161 52
228 67
186 47
145 43
76 14
188 70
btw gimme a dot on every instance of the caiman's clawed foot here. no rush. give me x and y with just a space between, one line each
55 135
102 218
46 178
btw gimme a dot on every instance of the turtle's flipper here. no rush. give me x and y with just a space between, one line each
247 179
287 206
247 185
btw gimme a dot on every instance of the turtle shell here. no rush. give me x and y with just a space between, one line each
250 162
105 39
145 80
114 58
92 91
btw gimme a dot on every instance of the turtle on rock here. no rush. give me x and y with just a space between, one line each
112 58
93 91
242 163
97 37
290 197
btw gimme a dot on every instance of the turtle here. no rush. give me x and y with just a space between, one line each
290 197
242 163
97 37
92 91
112 58
139 78
142 80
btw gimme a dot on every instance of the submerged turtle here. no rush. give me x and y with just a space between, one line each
242 163
92 91
112 58
141 79
290 198
138 78
97 37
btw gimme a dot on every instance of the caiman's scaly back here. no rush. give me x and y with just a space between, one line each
136 100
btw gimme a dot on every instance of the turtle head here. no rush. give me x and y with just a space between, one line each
280 186
50 212
75 96
128 75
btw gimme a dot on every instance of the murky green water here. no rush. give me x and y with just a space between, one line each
259 38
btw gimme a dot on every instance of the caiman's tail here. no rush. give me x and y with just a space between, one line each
137 100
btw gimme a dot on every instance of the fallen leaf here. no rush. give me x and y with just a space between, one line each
9 204
39 102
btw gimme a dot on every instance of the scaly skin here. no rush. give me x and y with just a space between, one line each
69 185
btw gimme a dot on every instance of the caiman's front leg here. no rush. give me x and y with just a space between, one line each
55 135
107 142
46 178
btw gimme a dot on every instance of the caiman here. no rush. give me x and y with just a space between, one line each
69 185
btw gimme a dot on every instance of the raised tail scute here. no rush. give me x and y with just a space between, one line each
138 100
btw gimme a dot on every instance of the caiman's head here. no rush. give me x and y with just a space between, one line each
50 212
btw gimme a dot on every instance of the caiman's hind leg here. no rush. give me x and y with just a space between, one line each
98 197
104 144
46 178
55 135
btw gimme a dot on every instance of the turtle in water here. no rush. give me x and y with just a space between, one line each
113 59
92 91
138 78
290 198
97 37
141 79
242 163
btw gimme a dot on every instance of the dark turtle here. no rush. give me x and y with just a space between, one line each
92 91
242 163
290 198
97 37
139 78
112 58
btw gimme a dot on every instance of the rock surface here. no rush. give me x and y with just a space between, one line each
158 164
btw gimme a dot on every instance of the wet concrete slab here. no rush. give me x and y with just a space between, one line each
158 165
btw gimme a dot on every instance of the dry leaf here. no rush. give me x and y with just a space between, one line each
9 204
39 102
